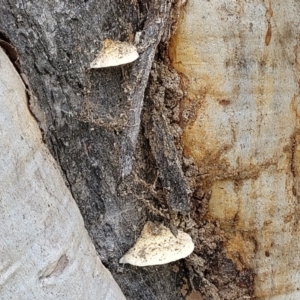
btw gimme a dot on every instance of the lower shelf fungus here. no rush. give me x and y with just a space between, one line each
157 246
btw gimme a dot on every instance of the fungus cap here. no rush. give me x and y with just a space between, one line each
114 53
157 245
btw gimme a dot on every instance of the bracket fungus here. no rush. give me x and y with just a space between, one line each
157 245
114 53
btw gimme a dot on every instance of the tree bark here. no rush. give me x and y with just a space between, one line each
116 135
86 115
240 122
45 251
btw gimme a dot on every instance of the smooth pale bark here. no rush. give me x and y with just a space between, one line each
241 72
45 251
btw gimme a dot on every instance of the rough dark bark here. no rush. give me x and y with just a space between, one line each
120 175
89 115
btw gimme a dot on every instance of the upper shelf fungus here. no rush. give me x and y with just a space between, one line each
157 245
115 53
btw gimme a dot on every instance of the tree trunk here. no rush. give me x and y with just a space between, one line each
88 123
241 69
45 251
133 146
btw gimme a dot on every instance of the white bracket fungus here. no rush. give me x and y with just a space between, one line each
114 53
157 245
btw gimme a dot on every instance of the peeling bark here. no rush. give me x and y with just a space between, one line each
155 24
